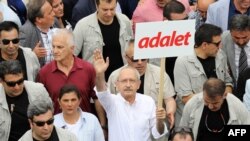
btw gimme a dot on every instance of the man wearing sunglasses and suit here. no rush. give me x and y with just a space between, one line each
150 77
10 50
41 119
15 96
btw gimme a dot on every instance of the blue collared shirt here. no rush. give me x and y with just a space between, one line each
90 128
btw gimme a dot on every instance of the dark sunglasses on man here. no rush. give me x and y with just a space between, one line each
42 123
13 83
7 41
135 60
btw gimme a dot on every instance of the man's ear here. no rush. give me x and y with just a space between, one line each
30 122
139 83
225 95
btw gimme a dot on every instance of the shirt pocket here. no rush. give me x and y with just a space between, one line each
89 46
197 80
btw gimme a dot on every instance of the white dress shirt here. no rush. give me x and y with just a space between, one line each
130 122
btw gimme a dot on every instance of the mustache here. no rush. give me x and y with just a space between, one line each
127 89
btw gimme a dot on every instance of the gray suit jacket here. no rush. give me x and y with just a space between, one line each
217 14
30 36
228 48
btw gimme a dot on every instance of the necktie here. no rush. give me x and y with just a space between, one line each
243 61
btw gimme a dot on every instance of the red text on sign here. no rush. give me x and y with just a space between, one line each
165 41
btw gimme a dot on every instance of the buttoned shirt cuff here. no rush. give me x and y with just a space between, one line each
156 134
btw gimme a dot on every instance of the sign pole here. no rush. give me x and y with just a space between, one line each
160 96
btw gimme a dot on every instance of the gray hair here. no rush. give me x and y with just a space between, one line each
34 9
39 106
239 22
67 34
137 74
10 67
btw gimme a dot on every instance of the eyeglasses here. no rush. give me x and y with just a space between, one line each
14 41
135 60
125 81
202 12
216 44
181 129
13 84
42 123
215 130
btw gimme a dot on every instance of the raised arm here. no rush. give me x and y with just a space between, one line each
100 67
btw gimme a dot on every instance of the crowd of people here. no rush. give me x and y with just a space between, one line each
68 72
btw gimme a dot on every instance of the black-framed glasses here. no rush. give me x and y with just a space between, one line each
135 60
42 123
216 44
7 41
13 83
215 130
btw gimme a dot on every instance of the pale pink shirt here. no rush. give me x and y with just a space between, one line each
148 11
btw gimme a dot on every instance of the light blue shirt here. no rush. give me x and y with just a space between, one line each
90 128
246 97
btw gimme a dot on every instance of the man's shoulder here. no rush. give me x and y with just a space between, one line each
47 68
219 4
88 19
84 64
145 98
27 26
153 67
186 58
27 136
122 17
225 34
65 134
31 84
196 99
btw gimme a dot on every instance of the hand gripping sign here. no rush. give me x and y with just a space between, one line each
164 39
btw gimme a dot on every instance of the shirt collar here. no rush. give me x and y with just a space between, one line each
76 65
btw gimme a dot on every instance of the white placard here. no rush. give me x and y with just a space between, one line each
164 39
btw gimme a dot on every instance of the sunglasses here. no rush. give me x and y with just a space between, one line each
216 44
180 129
135 60
42 123
13 84
14 41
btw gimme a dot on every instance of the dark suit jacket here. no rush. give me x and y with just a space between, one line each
228 48
30 36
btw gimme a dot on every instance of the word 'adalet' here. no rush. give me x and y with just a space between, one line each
165 41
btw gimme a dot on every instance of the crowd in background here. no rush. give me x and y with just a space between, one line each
67 71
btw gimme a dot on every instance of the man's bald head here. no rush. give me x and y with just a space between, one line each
202 6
